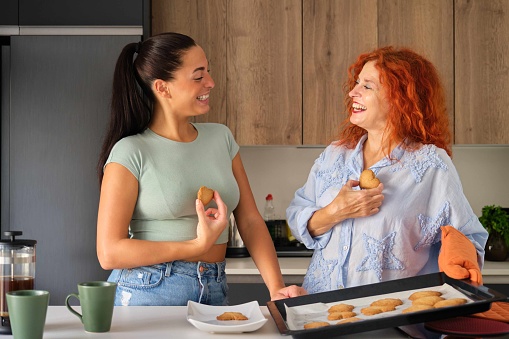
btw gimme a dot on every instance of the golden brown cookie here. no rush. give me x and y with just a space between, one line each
316 324
231 316
387 302
420 294
450 302
341 315
205 194
341 308
368 179
371 310
429 300
348 320
417 308
386 308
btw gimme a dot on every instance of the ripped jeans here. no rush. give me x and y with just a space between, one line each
171 284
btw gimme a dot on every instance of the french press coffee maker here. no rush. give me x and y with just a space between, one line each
17 271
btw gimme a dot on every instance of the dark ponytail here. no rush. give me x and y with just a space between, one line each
132 98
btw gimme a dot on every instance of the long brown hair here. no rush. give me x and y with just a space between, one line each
132 98
418 112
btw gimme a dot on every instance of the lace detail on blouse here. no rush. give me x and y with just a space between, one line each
379 255
420 160
318 278
430 227
335 175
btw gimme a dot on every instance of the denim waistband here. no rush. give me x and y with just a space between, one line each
203 269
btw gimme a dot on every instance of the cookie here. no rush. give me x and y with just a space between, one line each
387 302
417 308
231 316
368 179
386 308
371 310
205 194
341 308
316 324
348 320
420 294
429 300
341 315
450 302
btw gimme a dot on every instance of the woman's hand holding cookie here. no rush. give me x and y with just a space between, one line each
211 222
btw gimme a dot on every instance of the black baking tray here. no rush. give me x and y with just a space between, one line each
481 296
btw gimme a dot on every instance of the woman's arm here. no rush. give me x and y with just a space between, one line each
119 192
254 232
349 203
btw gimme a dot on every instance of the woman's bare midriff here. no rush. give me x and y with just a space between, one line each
216 253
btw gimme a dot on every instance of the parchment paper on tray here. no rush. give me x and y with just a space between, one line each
297 316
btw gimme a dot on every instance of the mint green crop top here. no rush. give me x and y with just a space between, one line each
169 174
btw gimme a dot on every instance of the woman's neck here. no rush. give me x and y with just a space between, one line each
172 127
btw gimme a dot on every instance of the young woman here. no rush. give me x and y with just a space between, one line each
163 245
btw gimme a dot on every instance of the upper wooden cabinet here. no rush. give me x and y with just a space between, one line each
335 33
255 51
280 66
481 73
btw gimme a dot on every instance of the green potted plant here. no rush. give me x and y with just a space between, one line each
496 221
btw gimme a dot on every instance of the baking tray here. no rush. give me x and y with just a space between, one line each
481 298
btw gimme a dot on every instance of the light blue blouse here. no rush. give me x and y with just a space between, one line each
422 192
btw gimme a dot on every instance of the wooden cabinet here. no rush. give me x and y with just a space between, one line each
255 51
481 72
335 33
280 66
426 27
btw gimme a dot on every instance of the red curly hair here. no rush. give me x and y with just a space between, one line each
418 112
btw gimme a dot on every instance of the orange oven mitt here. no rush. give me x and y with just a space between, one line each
458 256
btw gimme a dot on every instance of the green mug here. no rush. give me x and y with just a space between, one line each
96 299
27 313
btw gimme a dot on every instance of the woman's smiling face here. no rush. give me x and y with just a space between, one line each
369 104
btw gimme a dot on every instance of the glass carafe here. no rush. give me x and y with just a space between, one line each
17 270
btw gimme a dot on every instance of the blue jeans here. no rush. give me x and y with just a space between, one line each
171 284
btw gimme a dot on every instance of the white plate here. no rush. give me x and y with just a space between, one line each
203 317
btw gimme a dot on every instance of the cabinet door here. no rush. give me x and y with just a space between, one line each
264 58
335 33
425 26
205 22
481 74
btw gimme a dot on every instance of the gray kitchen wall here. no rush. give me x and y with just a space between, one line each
483 170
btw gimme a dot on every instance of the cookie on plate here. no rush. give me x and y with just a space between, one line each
341 315
226 316
341 308
315 324
429 300
417 308
371 310
420 294
450 302
387 302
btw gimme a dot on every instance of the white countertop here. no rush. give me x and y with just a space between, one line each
494 272
163 322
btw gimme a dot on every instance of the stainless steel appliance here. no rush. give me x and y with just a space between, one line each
17 271
235 247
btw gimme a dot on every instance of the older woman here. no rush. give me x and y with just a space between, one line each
397 126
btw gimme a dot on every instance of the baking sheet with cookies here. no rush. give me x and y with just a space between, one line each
301 317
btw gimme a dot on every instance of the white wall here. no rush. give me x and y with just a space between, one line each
484 172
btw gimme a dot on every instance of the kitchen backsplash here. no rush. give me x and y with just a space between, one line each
484 172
